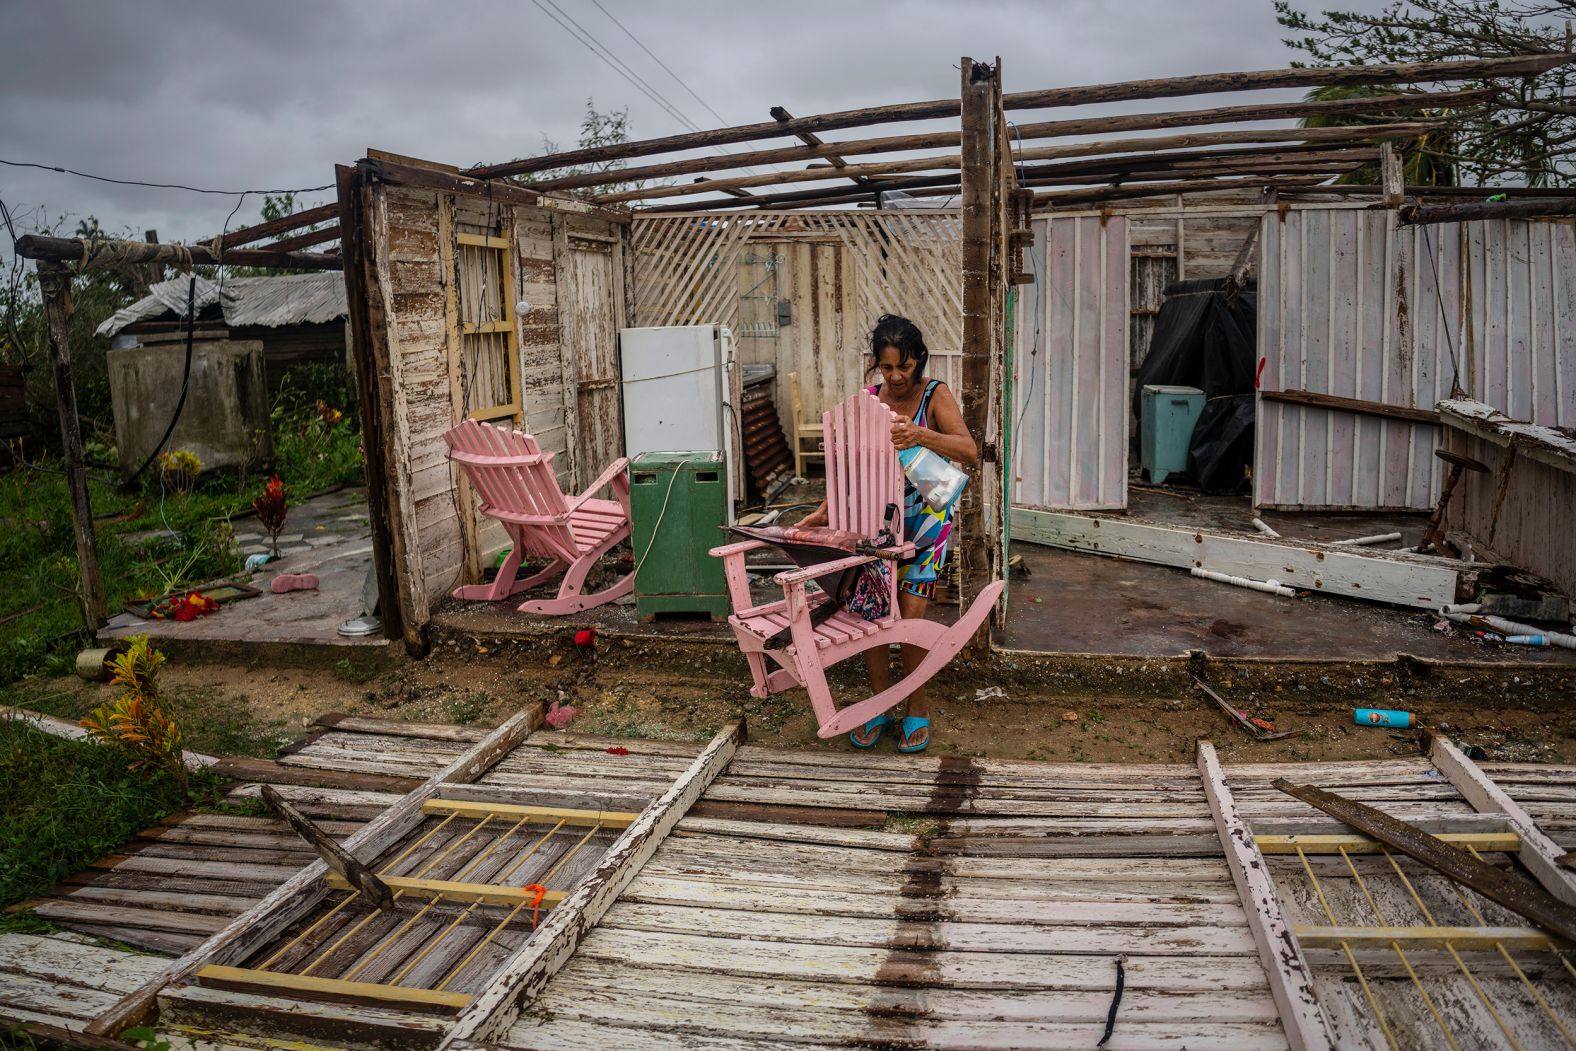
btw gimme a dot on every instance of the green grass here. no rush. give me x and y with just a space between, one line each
210 721
192 540
66 804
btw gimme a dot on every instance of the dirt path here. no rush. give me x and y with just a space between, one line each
1090 712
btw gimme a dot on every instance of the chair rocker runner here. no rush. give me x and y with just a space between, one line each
863 480
518 487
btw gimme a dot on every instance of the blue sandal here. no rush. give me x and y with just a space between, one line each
878 724
912 724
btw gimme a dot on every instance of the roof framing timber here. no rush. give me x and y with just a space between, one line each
1155 144
1380 104
1052 97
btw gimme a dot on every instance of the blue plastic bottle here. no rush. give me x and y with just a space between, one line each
1382 717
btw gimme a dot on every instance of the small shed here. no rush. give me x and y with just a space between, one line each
298 318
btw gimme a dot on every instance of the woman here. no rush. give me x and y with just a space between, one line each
929 417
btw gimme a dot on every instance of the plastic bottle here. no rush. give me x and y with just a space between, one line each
1382 717
934 477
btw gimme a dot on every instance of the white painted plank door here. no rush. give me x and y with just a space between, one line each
1070 368
590 348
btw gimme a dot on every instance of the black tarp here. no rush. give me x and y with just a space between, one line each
1206 339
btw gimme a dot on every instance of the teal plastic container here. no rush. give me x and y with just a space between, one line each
1167 416
1383 717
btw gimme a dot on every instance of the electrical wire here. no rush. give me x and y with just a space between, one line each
597 48
1039 305
1450 344
619 66
154 185
641 44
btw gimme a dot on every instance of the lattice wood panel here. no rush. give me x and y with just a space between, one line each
688 271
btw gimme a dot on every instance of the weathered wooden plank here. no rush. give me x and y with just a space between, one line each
959 936
813 897
538 814
1324 844
332 989
1518 895
527 972
198 1010
1402 580
1291 982
55 959
334 856
942 969
304 889
69 911
596 979
1460 938
1536 850
357 724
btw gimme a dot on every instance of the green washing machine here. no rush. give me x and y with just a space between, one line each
678 504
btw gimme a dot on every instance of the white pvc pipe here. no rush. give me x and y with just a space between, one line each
1380 538
1463 607
1510 627
1274 587
1266 530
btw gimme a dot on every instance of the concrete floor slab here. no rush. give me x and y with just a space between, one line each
340 559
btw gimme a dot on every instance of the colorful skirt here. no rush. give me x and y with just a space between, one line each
927 529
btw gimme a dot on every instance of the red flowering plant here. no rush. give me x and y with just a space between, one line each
271 508
185 607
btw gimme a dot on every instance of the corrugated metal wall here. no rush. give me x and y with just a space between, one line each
1352 305
1070 365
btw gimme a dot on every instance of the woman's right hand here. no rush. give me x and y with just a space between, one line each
818 517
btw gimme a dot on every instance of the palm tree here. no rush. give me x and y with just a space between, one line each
1425 159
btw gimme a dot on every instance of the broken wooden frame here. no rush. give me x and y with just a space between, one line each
1418 581
1461 862
298 895
458 954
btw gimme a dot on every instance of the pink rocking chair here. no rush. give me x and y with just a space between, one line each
516 483
862 480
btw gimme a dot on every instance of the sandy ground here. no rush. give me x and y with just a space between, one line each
1085 713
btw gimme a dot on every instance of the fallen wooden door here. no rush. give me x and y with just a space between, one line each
590 298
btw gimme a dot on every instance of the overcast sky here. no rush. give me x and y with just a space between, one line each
240 96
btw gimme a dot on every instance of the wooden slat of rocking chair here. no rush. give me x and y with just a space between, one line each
863 479
519 488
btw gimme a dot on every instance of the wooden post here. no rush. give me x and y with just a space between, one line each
54 280
371 405
1390 175
978 175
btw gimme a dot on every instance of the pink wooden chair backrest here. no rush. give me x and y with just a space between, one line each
863 476
511 473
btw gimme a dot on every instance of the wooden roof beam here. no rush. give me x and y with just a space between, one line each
1266 163
70 250
888 169
699 187
1410 102
1111 191
1396 73
284 224
306 240
810 138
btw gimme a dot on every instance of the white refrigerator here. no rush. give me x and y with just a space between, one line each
681 388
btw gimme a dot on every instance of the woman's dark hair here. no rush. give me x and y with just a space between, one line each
901 333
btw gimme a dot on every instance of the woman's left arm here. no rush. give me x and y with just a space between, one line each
947 433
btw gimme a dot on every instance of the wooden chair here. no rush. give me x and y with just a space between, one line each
803 430
517 486
862 480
